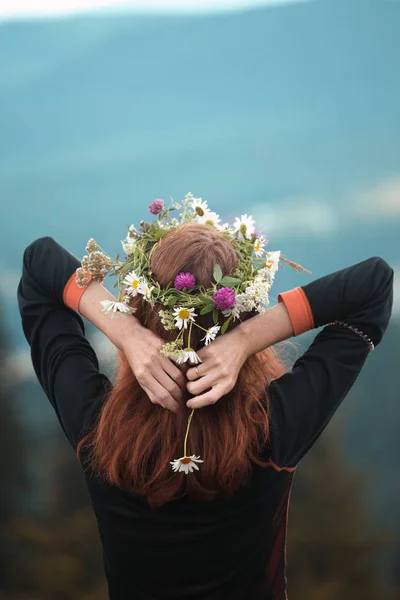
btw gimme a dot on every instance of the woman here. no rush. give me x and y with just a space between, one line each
217 530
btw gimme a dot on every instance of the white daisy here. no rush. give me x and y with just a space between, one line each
234 311
244 226
112 307
182 316
225 227
187 354
132 281
222 227
186 464
199 206
211 334
145 289
209 218
271 265
258 246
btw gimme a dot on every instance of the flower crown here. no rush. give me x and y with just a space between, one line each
245 290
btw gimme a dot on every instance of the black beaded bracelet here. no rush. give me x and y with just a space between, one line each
366 339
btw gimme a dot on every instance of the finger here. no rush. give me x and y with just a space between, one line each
201 384
174 372
167 383
159 395
208 398
192 374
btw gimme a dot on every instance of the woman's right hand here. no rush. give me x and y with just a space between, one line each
157 375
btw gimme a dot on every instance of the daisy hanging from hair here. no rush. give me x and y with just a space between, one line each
186 464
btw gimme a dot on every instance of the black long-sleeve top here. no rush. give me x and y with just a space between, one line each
228 549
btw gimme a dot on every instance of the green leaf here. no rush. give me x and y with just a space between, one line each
217 273
215 316
228 281
171 301
206 299
225 325
206 309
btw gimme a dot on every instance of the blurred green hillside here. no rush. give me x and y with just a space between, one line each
284 107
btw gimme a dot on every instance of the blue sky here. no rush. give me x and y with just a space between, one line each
39 8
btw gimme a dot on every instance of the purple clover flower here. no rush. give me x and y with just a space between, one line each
184 280
224 298
156 207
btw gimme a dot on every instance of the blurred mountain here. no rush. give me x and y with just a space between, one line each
100 115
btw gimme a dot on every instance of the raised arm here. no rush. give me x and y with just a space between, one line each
64 361
355 304
360 295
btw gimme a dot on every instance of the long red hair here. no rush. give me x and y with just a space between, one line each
134 440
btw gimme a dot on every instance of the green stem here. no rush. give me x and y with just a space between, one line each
180 335
200 327
190 219
190 333
119 289
187 431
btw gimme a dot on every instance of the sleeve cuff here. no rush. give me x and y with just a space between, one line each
73 293
299 309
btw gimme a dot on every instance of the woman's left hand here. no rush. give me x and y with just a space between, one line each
219 369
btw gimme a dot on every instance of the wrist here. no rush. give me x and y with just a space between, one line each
265 329
129 327
243 336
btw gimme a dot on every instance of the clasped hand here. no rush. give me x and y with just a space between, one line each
164 382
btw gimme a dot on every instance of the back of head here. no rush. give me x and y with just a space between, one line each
135 440
193 248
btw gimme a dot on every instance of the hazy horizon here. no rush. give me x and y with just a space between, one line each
45 9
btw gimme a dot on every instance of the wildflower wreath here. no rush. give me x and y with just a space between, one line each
245 290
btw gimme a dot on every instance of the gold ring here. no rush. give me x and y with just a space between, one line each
197 371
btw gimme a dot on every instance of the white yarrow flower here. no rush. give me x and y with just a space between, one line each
128 246
254 297
132 281
112 307
211 334
187 354
182 316
244 226
186 464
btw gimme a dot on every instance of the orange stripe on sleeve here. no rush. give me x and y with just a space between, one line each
299 310
73 293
